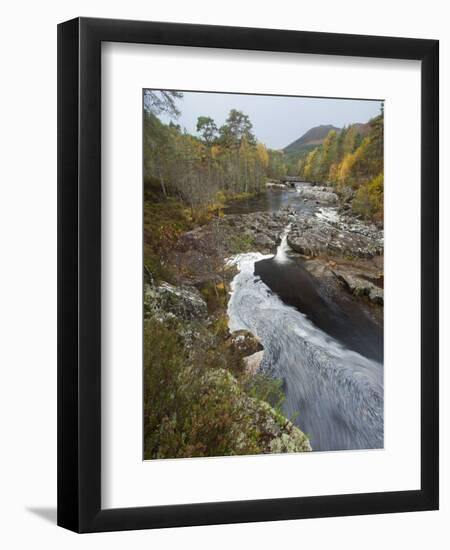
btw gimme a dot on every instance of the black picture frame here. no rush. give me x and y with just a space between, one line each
79 274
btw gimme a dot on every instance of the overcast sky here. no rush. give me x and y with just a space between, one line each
277 120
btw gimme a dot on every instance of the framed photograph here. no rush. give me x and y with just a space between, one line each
248 275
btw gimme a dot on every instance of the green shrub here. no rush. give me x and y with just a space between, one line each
369 199
190 409
198 400
265 387
215 295
164 222
241 243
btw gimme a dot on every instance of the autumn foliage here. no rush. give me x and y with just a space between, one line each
352 163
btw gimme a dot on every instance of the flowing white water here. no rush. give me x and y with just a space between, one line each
335 395
282 250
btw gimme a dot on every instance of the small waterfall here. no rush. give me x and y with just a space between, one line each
281 255
334 394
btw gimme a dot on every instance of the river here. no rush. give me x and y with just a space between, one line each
328 350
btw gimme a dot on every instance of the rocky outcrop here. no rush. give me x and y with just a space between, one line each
329 234
277 434
244 342
346 195
269 222
199 253
253 362
264 242
166 301
360 285
317 193
275 185
249 348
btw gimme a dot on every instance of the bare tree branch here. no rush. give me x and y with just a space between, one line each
162 101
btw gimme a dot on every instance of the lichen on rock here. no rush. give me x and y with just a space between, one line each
253 362
275 433
165 301
245 342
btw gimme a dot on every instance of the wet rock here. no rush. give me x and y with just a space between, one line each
245 342
358 285
376 295
166 301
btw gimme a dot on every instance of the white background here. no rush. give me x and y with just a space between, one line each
28 291
127 480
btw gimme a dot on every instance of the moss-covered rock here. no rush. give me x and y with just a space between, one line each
245 342
199 399
260 428
165 301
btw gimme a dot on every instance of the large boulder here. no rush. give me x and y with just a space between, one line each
168 301
253 362
264 243
318 193
329 234
360 285
277 434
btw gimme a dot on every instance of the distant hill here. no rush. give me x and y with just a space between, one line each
314 136
362 128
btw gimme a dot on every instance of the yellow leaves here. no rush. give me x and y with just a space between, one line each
221 197
333 174
376 192
310 165
358 167
345 168
244 147
263 154
369 199
215 152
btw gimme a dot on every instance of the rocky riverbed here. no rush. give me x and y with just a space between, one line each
339 248
343 254
316 304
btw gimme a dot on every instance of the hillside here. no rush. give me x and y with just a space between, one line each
351 161
314 136
362 128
